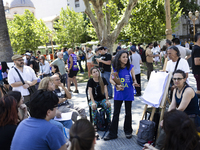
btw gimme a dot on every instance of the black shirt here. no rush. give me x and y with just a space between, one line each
96 89
105 57
6 135
195 53
30 61
61 95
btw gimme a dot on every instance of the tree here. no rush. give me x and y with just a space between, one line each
148 22
69 28
101 18
27 33
6 51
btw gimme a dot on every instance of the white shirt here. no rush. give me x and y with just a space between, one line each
182 65
135 61
45 68
89 55
187 45
25 60
28 74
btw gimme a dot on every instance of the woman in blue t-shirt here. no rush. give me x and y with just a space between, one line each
123 92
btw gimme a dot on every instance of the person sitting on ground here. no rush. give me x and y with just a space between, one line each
44 67
22 108
8 121
180 133
37 132
82 135
184 99
48 85
97 88
64 105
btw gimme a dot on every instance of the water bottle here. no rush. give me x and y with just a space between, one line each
134 90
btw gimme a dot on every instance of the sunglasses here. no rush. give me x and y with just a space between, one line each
178 79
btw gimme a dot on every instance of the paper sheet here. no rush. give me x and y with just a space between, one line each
155 88
64 116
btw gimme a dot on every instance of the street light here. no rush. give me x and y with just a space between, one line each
193 18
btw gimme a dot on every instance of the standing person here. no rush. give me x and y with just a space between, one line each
89 56
105 68
61 65
38 132
149 60
168 43
65 55
140 49
56 54
185 53
38 54
44 67
29 60
5 70
196 61
72 70
79 55
163 54
94 62
8 121
156 51
123 92
26 73
135 60
97 88
187 45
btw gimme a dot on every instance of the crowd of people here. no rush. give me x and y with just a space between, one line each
30 111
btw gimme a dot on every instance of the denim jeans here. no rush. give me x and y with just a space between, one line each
106 75
79 63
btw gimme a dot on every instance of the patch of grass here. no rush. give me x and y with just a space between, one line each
82 77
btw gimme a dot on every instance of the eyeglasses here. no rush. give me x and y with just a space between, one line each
178 79
20 60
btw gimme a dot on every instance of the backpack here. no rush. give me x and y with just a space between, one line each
143 56
146 132
102 123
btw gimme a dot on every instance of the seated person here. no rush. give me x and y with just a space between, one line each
8 121
64 106
180 133
184 99
22 108
48 85
97 88
82 135
36 132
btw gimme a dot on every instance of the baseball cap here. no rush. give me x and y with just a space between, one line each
133 48
96 49
28 54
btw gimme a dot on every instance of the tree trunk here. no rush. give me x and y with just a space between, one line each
6 51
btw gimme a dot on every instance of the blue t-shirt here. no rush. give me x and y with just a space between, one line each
65 56
37 134
1 73
126 80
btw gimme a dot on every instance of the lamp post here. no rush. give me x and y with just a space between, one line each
193 18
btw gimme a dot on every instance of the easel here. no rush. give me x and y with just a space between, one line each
162 104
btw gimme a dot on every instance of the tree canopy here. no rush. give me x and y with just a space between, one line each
27 33
69 29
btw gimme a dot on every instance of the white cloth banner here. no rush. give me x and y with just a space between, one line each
155 88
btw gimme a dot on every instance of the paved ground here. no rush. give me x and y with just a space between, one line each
137 108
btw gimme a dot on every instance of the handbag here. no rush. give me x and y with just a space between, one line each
31 89
116 78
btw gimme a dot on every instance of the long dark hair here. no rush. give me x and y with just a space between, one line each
99 78
117 63
56 67
8 110
4 66
82 135
16 94
180 131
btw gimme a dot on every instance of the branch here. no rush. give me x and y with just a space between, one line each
89 13
124 20
108 19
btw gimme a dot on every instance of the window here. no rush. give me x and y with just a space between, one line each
77 4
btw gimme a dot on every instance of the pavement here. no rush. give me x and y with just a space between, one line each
121 143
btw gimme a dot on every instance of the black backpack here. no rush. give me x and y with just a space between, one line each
143 56
102 123
146 132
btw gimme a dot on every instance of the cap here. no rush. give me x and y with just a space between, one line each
96 49
133 48
16 57
28 54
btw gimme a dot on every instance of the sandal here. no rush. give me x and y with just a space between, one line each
96 131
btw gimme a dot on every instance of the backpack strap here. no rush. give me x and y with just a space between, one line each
19 76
